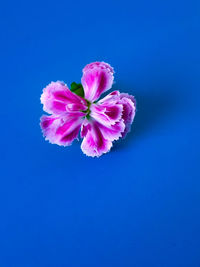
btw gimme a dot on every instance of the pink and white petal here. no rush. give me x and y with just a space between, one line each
85 127
61 130
112 132
97 78
110 98
57 99
131 97
101 65
94 144
107 113
129 110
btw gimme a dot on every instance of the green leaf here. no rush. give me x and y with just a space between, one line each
77 88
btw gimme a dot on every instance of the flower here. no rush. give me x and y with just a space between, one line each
100 122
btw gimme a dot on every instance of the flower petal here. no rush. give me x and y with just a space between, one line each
94 144
97 78
113 97
129 109
57 99
112 132
131 97
107 113
61 130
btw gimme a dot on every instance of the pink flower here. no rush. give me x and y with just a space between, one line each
100 122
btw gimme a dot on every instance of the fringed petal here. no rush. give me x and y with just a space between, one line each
106 113
129 109
57 99
61 130
94 144
97 78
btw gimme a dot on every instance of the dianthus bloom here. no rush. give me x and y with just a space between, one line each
99 122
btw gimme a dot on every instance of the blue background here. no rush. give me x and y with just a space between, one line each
138 205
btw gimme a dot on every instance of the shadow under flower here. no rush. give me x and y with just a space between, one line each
153 107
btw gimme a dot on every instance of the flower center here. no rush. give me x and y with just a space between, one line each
88 109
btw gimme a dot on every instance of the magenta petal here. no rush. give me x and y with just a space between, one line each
97 78
111 98
129 109
116 99
94 144
57 99
131 97
61 130
107 113
112 132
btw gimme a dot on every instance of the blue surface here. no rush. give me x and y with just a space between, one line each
136 206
